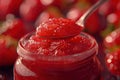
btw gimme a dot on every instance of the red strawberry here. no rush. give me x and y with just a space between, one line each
113 22
30 9
106 8
8 52
9 7
113 62
13 27
114 4
112 44
58 28
112 41
95 23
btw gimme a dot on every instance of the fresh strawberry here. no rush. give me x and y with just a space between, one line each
112 50
115 4
95 23
13 27
113 62
113 39
8 52
30 9
114 18
113 22
58 28
106 8
9 7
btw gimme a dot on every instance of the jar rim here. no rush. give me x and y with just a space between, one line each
72 57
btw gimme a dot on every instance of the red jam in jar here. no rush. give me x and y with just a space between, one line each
44 56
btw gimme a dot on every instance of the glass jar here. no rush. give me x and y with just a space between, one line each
79 66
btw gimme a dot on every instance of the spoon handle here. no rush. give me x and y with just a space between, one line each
83 18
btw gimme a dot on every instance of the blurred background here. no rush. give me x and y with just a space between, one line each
19 17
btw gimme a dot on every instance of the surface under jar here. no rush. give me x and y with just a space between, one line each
79 66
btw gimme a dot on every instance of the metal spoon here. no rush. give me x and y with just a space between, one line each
81 21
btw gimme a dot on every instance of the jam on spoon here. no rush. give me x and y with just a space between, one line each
60 28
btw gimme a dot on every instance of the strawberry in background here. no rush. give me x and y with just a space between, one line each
11 31
9 7
8 53
112 41
112 50
95 23
113 21
114 4
30 10
106 8
13 27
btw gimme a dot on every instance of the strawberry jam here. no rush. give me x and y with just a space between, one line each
58 50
